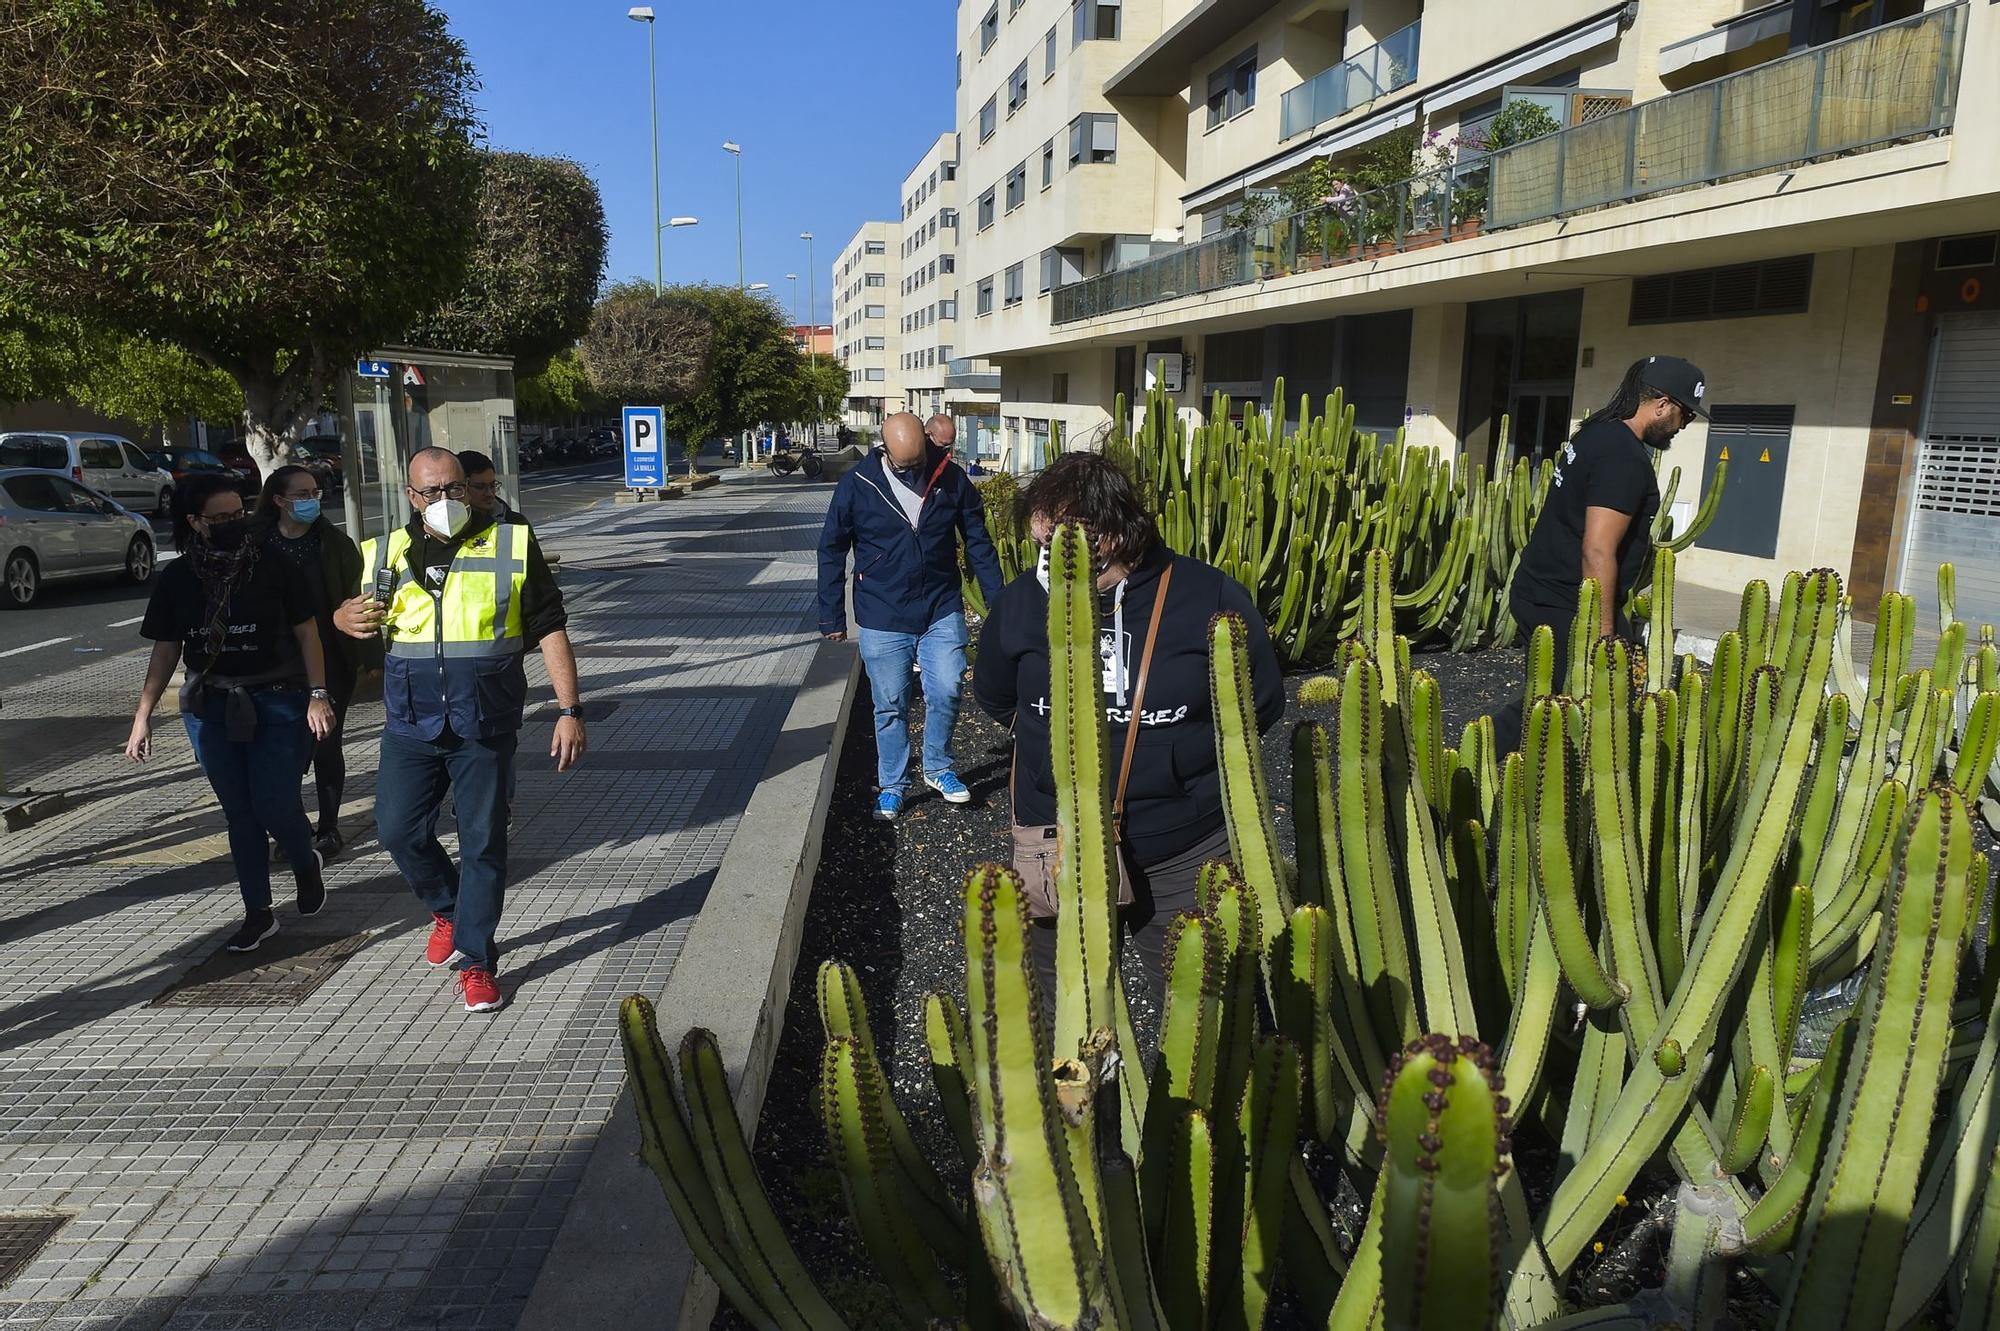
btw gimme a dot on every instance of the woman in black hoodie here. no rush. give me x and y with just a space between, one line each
294 531
1173 820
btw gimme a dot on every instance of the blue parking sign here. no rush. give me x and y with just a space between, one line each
645 448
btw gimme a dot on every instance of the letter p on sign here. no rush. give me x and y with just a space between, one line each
645 459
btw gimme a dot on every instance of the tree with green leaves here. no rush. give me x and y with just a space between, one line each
561 390
535 266
646 349
823 383
755 367
133 378
273 188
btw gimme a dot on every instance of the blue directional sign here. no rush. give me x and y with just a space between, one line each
372 369
645 448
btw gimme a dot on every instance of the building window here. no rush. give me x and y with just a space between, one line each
1232 90
983 301
1059 388
1013 8
989 118
989 28
1017 187
985 210
1013 291
948 170
1093 21
1060 267
947 263
1775 286
1049 56
948 309
875 344
1048 163
877 376
948 217
1017 88
1093 137
878 247
875 312
876 280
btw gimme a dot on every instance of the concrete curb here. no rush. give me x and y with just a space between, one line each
619 1258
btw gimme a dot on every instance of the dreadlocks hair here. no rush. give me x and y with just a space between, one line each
1089 488
1633 393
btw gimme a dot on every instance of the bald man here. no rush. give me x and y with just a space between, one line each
464 596
901 514
942 430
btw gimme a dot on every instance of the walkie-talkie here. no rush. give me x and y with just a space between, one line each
385 587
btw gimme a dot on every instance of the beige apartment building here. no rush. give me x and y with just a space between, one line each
867 313
935 377
1798 196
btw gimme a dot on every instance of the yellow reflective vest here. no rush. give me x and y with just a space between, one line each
454 657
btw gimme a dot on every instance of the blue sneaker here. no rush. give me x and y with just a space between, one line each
888 804
948 785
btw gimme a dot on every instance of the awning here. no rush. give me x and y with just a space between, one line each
1745 30
1340 140
1528 61
1164 67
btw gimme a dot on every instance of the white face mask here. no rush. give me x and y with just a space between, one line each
447 517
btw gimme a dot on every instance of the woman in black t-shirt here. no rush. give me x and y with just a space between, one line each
244 625
294 533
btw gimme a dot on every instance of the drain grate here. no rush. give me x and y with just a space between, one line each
284 972
22 1238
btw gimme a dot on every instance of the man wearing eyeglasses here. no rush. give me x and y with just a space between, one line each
482 488
1598 518
463 598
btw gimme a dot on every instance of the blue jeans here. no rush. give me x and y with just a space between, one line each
940 652
409 789
257 784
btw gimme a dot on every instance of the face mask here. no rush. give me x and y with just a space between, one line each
228 536
447 517
305 510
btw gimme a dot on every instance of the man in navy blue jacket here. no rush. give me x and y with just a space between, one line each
901 512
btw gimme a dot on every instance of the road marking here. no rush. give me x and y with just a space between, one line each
125 623
36 646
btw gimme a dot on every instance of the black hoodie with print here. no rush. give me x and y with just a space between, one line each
1174 796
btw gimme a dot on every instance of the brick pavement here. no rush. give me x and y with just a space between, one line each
372 1156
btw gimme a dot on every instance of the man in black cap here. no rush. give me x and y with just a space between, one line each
1597 521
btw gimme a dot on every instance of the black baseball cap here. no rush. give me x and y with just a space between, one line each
1679 379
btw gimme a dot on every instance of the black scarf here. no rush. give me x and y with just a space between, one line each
220 572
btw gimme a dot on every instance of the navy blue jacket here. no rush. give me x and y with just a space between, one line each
905 578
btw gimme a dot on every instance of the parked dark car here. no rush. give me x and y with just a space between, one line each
320 455
182 462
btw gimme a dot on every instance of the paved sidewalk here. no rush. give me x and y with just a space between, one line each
369 1155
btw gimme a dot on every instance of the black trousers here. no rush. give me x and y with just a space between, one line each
1159 892
328 762
1509 721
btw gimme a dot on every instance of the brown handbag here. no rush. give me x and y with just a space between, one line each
1038 847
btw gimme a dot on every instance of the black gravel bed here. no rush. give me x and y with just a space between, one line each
887 900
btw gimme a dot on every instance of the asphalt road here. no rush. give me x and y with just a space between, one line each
72 620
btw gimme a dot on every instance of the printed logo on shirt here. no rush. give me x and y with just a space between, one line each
1122 716
1113 649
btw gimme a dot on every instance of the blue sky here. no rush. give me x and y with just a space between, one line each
832 103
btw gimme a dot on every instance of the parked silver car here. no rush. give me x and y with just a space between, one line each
52 528
107 463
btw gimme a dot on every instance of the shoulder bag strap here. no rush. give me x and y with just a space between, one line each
1139 698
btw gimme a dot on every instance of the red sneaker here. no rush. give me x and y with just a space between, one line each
481 990
440 952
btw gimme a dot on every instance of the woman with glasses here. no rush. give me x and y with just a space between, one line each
297 534
255 695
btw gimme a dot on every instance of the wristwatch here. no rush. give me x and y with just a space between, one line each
573 713
319 695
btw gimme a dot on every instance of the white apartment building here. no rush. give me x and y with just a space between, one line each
935 377
867 314
1801 197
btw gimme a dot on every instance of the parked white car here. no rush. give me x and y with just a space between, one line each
107 463
51 529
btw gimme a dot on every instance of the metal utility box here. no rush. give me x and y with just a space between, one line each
1757 442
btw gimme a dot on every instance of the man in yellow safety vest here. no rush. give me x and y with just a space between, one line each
459 598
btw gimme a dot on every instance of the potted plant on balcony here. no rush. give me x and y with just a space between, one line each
1320 204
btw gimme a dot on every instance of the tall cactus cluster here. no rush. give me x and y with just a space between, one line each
1602 944
1292 511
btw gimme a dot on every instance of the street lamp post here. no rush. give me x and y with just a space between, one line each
644 14
736 150
812 318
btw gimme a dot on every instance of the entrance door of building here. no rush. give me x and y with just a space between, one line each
1954 512
1538 419
1520 362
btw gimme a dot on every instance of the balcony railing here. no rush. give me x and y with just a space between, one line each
1893 83
1330 94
